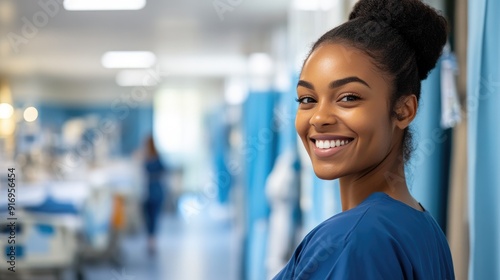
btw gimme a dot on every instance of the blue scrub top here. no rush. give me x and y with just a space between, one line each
381 238
155 170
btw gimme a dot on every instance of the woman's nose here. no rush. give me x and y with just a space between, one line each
323 116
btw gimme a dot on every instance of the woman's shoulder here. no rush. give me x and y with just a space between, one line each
376 233
379 216
345 234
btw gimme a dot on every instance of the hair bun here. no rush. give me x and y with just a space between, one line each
419 24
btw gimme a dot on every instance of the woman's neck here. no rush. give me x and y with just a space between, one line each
387 177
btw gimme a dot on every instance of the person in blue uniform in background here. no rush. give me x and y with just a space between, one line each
358 92
155 194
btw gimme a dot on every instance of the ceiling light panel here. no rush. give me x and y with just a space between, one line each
103 5
128 59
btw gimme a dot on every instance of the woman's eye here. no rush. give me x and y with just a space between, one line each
305 100
349 98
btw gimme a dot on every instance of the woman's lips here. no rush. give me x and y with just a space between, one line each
328 152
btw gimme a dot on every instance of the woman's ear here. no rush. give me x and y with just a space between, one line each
406 110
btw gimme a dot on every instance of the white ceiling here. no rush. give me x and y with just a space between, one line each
71 44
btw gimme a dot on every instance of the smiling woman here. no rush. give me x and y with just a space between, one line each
358 93
349 104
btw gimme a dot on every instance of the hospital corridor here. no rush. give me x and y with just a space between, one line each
208 250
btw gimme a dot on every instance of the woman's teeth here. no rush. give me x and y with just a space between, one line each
330 143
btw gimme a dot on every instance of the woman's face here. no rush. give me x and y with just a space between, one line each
343 116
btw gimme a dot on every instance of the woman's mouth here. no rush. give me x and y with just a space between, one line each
327 148
327 144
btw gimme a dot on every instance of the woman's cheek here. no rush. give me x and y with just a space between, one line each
364 118
301 123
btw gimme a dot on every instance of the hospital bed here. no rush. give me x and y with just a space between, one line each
46 232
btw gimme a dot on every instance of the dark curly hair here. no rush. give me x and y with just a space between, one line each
404 38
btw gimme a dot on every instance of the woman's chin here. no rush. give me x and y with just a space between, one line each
327 174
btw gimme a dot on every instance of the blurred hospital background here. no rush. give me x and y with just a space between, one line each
84 83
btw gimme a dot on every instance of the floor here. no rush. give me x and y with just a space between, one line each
198 250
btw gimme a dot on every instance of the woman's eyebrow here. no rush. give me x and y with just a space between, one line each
336 83
305 84
341 82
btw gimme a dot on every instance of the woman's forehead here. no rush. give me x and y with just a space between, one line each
335 61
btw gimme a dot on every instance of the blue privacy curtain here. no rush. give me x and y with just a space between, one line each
259 153
219 144
325 198
282 187
427 171
483 108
